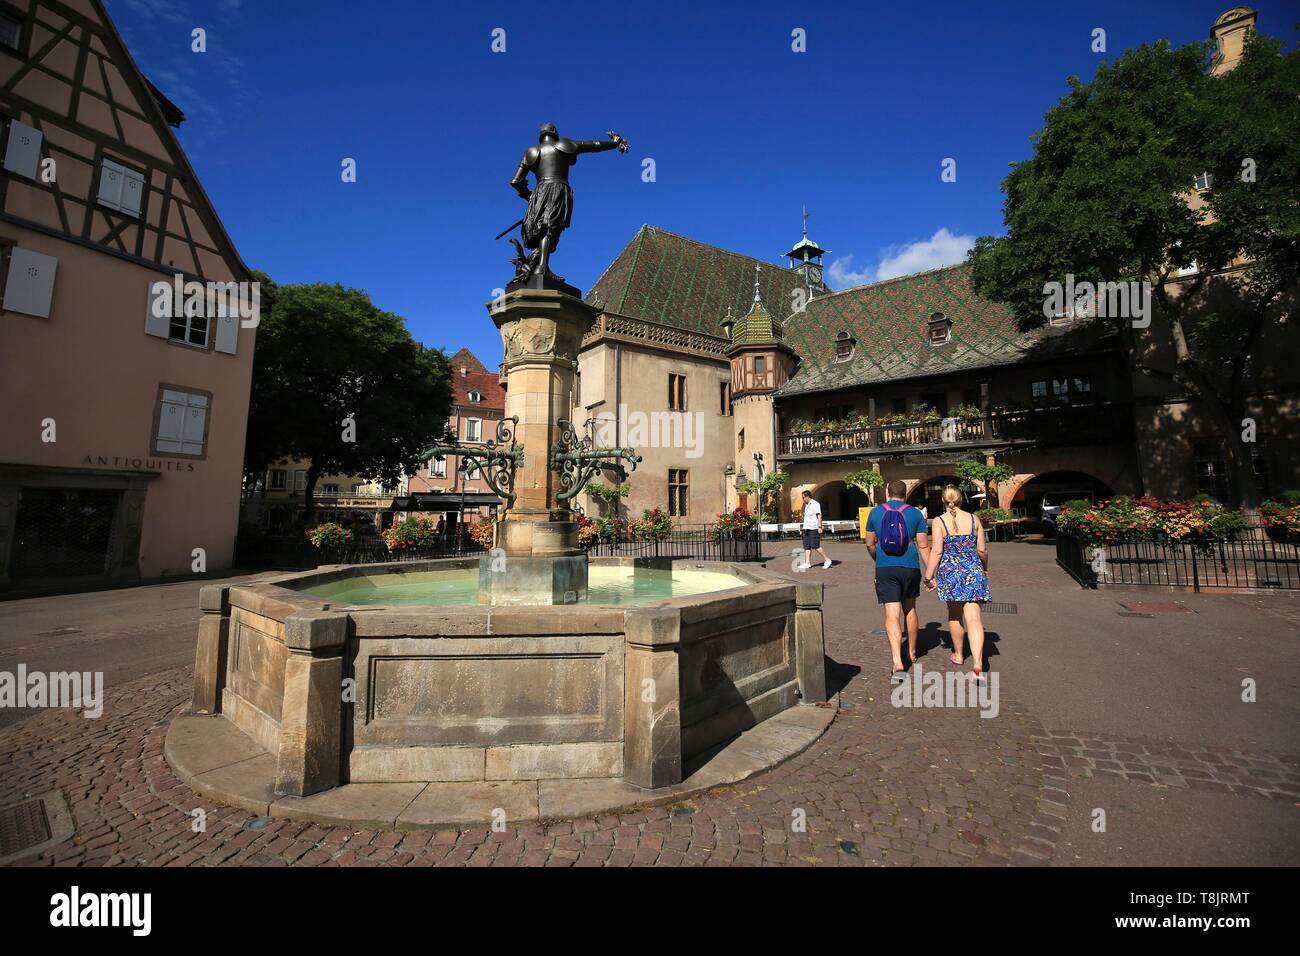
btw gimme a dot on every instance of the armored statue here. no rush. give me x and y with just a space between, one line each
550 201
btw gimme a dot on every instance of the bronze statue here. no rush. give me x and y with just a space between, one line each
550 202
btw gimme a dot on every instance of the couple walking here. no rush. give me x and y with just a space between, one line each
951 556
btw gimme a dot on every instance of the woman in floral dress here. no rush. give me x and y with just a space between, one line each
959 552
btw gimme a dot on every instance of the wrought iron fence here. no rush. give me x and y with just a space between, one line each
1255 559
686 541
278 553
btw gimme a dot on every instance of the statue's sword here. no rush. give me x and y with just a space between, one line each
518 222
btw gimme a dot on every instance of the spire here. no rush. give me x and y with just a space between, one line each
805 259
758 296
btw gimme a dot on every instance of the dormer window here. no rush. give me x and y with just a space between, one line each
1204 181
939 329
844 344
475 396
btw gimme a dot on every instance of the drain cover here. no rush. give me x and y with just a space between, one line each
22 826
994 607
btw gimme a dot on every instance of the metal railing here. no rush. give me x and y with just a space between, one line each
1068 424
1253 560
296 554
685 541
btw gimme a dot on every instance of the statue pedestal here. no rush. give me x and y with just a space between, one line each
507 581
538 560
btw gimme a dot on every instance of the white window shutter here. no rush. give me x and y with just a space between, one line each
132 192
23 151
227 332
29 286
171 422
111 178
196 420
159 289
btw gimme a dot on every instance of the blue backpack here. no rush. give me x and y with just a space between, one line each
894 538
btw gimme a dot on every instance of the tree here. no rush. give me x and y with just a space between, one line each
1108 197
341 383
772 483
973 470
866 481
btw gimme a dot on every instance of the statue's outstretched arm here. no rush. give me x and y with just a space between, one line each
601 145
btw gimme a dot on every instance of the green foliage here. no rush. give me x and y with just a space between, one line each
1105 197
329 535
772 483
325 353
653 525
608 493
865 481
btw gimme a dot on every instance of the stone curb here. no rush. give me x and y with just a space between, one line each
216 760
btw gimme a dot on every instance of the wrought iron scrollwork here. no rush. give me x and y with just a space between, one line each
498 459
576 460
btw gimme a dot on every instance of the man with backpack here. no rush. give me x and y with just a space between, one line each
897 540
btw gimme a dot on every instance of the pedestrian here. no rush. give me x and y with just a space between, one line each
897 541
812 532
961 558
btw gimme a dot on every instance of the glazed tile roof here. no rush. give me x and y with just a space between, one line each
665 278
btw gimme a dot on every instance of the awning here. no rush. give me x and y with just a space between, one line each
443 501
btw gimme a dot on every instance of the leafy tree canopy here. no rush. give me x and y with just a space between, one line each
324 354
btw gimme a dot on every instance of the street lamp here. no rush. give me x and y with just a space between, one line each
463 470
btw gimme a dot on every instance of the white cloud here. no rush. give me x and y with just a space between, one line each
942 249
844 277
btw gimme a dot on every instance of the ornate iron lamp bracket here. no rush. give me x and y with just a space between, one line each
498 459
575 460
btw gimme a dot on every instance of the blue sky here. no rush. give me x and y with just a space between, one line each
742 130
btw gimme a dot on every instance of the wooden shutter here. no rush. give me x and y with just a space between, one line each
29 285
23 151
153 324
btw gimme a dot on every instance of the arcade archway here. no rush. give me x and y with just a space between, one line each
1057 487
839 502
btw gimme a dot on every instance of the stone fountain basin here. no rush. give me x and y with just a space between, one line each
635 697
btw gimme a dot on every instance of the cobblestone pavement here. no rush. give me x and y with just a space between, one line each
885 785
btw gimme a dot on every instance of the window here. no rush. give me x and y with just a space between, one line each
330 489
677 392
11 31
182 423
939 329
760 366
844 346
1061 390
1081 385
475 396
1211 468
724 398
121 188
1204 181
277 480
473 429
1038 392
300 480
472 470
438 467
678 492
740 440
190 329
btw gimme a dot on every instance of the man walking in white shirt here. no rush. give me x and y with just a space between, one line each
812 532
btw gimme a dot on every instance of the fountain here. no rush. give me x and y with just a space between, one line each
533 679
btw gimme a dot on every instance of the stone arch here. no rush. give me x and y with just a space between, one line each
839 502
1026 491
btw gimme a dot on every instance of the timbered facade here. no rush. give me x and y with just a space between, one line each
127 318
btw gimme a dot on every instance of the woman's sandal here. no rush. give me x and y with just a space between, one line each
954 659
979 676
